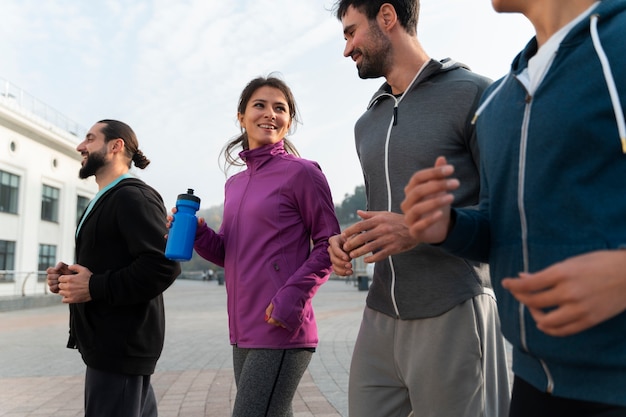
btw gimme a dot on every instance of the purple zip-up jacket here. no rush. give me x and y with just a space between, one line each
278 216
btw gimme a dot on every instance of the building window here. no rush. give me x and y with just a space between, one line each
47 257
9 190
50 204
81 206
7 260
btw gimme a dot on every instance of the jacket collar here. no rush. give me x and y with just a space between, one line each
430 68
258 156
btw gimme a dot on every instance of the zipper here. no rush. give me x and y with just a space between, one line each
524 231
393 122
234 282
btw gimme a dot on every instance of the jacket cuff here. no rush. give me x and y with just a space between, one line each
458 235
97 286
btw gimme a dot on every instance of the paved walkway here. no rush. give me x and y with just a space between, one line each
39 377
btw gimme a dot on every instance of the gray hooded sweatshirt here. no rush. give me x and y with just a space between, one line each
398 135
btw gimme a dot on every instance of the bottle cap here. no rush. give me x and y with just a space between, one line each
189 196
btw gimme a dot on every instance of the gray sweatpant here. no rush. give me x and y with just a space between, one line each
267 380
450 365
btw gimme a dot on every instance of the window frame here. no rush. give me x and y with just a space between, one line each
7 260
9 191
50 200
47 256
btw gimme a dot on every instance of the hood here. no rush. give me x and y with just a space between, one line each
430 68
588 27
130 181
427 71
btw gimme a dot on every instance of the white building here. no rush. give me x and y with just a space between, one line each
41 195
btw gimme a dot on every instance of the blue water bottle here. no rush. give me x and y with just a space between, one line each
182 232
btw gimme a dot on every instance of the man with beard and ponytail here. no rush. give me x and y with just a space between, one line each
430 340
114 290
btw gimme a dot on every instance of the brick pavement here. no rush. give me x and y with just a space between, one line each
194 377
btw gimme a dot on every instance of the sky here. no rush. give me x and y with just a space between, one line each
174 69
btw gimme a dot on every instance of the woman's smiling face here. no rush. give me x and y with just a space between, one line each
267 118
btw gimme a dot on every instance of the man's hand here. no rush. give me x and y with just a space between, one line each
380 233
427 200
576 294
53 274
341 261
74 287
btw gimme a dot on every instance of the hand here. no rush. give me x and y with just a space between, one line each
170 220
269 319
427 200
578 292
74 287
380 233
338 257
53 274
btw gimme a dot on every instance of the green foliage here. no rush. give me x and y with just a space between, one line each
346 211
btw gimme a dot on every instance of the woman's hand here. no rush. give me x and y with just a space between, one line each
269 319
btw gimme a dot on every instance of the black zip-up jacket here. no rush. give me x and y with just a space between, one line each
121 242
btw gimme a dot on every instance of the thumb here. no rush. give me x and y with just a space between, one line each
441 161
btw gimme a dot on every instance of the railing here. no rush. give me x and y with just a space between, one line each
22 283
36 110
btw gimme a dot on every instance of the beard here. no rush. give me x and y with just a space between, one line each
374 62
93 163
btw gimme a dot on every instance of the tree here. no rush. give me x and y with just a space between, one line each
346 211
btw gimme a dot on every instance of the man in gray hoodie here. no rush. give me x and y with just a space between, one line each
430 340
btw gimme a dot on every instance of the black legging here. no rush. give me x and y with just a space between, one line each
527 401
267 380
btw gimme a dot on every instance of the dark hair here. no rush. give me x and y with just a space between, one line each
115 129
242 140
407 10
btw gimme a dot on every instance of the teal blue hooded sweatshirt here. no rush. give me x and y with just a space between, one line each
553 172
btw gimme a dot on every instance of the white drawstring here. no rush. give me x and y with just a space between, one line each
608 76
610 82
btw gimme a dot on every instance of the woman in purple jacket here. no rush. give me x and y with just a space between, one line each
278 216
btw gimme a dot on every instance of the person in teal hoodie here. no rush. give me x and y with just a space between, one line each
115 287
551 216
